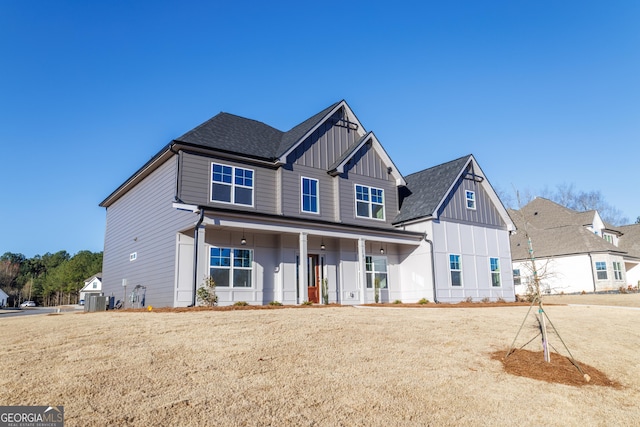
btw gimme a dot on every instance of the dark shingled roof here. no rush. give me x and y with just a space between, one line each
427 189
235 134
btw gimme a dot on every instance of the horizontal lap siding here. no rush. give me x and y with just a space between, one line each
144 221
292 193
195 183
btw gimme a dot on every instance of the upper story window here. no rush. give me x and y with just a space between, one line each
601 270
231 184
471 199
455 269
369 202
495 271
309 200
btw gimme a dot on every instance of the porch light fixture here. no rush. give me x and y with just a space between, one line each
322 246
381 250
243 241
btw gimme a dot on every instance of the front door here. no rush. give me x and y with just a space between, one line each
313 278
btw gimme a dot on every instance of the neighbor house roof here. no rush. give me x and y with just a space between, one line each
427 188
554 231
630 240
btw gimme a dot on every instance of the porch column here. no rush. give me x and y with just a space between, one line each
362 279
202 269
302 270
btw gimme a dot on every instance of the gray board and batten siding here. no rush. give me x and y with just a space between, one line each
454 207
143 222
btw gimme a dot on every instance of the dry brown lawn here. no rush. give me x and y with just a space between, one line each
338 366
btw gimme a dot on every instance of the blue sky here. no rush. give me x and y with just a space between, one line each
541 92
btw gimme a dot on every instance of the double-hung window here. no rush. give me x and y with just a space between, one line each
517 280
231 268
601 270
369 202
455 269
617 270
376 269
309 200
471 199
495 271
231 184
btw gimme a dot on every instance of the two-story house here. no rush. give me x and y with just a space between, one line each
573 251
274 216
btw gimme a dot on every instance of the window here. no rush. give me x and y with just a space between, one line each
376 271
231 267
495 271
309 195
471 199
230 184
601 270
455 267
369 202
608 238
517 280
95 285
617 271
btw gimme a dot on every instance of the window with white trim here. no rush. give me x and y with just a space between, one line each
601 270
471 199
495 271
369 202
231 268
309 201
617 271
455 270
376 271
231 184
517 279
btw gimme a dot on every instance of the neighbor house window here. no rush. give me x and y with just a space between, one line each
231 184
231 268
369 202
376 270
471 199
601 270
310 195
517 280
455 268
617 271
495 271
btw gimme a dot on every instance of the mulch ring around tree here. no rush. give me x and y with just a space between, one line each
560 370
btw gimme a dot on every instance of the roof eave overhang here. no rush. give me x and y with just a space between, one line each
162 156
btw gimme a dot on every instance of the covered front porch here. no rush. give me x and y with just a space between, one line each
292 262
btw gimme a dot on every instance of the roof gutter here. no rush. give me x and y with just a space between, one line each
433 270
195 256
593 273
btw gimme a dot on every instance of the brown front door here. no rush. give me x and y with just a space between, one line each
313 278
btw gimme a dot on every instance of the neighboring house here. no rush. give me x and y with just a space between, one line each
272 216
3 298
92 285
574 251
630 242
